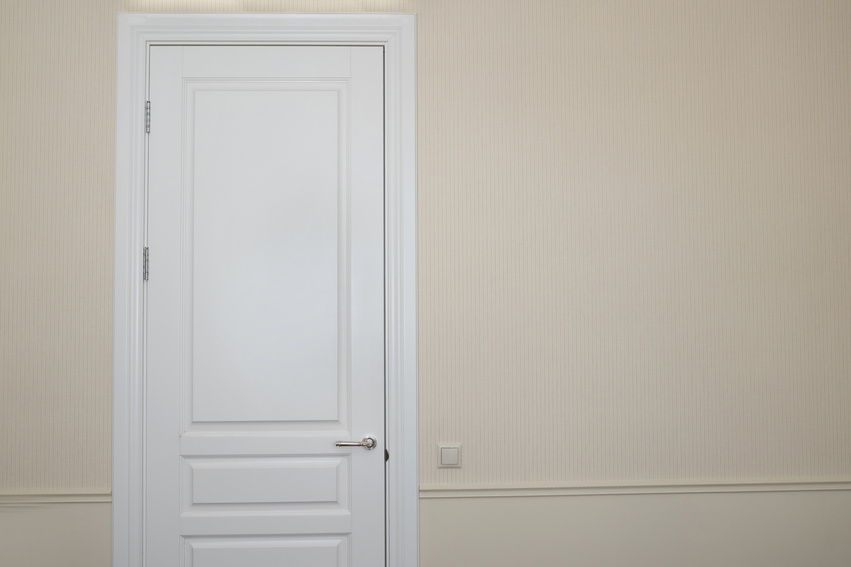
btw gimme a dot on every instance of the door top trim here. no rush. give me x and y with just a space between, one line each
321 29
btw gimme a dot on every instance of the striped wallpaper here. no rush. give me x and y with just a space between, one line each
634 238
635 241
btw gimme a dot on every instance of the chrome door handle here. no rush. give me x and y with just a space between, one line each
369 442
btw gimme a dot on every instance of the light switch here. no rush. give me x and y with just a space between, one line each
449 456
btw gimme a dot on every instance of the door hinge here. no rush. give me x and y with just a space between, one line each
148 117
145 265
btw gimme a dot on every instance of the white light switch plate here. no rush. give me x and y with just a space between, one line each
449 456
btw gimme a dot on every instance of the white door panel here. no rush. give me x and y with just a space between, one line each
313 552
266 314
277 481
265 306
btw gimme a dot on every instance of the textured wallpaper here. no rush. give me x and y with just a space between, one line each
635 241
634 238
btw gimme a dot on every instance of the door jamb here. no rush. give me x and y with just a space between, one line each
397 34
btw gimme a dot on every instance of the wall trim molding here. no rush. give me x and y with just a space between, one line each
37 498
520 490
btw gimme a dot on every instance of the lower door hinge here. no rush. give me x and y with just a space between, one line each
145 265
147 117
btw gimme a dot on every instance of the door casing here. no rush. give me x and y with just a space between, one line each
397 35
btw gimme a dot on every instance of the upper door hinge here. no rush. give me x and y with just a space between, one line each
145 265
148 117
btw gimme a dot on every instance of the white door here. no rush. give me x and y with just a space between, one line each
265 307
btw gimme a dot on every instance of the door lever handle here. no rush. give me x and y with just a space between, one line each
369 442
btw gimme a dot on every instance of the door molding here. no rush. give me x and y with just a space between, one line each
397 34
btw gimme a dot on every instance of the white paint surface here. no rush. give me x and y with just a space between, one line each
266 250
265 307
233 552
267 481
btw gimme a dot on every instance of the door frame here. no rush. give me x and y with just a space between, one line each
397 34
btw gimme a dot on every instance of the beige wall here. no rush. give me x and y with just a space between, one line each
769 529
56 534
634 239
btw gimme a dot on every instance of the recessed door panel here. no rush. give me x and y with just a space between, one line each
313 552
295 483
269 265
